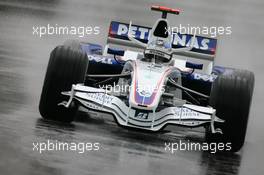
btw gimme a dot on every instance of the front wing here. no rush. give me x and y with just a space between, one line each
99 100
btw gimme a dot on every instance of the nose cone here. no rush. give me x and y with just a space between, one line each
147 86
144 98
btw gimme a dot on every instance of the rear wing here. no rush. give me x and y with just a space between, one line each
204 47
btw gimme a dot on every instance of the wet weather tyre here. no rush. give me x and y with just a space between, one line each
231 96
66 66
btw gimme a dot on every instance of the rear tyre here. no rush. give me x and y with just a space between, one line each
231 97
66 66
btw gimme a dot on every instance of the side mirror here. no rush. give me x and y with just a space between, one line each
115 52
194 65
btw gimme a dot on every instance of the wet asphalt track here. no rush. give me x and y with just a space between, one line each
23 60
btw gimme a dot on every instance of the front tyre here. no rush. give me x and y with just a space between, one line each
231 97
66 66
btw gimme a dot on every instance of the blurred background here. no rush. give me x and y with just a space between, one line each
23 61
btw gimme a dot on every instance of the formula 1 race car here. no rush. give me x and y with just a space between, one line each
155 78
